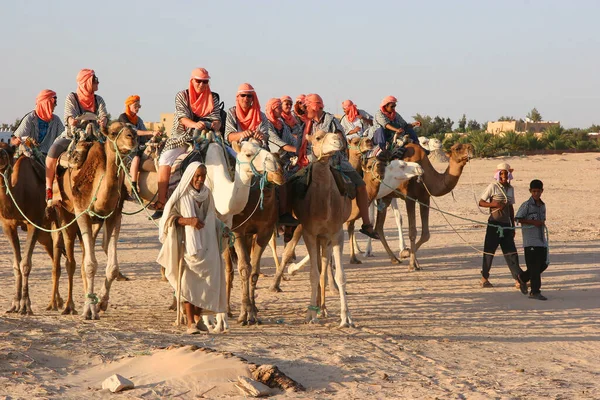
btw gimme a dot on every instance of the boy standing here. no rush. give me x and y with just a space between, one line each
532 215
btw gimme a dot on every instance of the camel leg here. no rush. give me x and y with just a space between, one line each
52 247
273 246
32 233
379 227
412 234
13 238
288 253
325 272
257 250
228 278
404 251
69 236
244 267
313 252
112 229
369 247
340 279
90 264
352 240
425 235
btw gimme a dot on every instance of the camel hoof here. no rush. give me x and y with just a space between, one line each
229 314
323 313
275 289
52 307
369 254
355 260
69 311
25 311
164 279
103 306
122 277
405 253
395 261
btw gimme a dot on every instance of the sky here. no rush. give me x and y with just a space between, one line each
485 59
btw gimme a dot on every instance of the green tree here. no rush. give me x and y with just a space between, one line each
462 124
503 118
534 115
15 125
473 125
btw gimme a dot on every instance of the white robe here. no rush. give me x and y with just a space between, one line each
203 281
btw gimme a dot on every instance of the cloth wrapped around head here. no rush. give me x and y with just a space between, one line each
503 167
313 102
288 117
131 116
44 103
248 119
385 102
85 89
272 105
350 110
201 103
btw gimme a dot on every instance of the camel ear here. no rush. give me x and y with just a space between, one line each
235 145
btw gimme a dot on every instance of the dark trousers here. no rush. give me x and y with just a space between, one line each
536 259
380 139
507 244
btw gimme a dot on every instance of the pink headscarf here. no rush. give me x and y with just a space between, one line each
313 102
350 110
300 98
201 103
272 104
251 118
289 118
85 91
386 101
43 104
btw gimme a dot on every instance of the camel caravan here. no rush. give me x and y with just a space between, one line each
223 185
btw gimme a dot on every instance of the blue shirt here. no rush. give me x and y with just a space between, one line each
43 128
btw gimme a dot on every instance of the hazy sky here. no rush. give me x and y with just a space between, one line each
482 58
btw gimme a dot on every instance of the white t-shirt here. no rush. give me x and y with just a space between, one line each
503 194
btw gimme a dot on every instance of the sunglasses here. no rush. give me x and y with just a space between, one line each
55 98
199 81
246 95
392 105
95 79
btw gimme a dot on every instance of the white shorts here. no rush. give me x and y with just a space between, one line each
168 157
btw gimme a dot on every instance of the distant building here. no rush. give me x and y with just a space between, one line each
166 121
496 127
5 136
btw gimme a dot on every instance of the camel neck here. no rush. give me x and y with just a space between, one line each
441 184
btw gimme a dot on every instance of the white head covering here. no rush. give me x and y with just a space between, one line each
182 202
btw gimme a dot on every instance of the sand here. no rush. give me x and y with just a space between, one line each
428 334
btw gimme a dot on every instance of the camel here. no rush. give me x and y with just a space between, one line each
253 230
322 213
94 193
432 182
26 184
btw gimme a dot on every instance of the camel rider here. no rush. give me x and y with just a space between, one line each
245 120
41 125
273 112
319 120
388 122
195 108
294 124
300 110
76 104
130 116
354 121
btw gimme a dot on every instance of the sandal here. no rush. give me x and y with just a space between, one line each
156 206
367 229
486 284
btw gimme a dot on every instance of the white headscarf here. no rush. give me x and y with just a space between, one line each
183 202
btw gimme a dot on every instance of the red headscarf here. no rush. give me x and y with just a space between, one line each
249 119
85 91
132 117
350 110
289 118
313 102
386 101
272 104
43 104
202 102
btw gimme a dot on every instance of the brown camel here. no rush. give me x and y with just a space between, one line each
432 182
26 183
253 229
94 194
322 213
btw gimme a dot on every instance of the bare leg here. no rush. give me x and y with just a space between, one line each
50 171
135 168
164 172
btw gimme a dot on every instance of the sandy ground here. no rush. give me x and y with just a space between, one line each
428 334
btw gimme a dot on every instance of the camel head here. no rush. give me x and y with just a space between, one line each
325 144
399 171
361 145
373 168
434 144
251 153
122 135
424 142
460 153
7 153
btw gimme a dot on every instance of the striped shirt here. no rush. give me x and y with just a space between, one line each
29 127
328 123
271 139
280 137
348 126
180 135
382 120
533 236
73 109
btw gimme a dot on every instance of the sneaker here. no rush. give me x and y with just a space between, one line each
157 214
522 285
288 219
538 296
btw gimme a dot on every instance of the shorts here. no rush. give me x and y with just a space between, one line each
168 157
59 146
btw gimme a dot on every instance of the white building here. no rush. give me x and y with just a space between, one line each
5 136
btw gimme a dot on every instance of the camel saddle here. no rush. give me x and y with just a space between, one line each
302 180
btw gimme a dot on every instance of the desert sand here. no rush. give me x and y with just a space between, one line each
430 334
